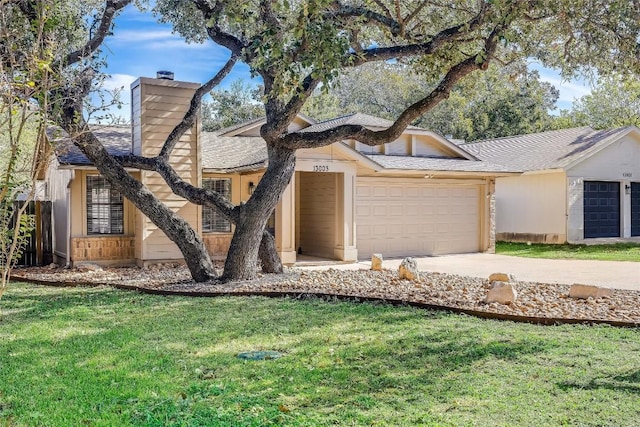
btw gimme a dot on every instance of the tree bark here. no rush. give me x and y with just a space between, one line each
269 258
241 262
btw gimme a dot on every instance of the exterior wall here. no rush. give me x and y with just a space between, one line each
217 244
619 162
161 107
531 208
103 249
58 181
399 147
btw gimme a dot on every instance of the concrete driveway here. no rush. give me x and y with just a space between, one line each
610 274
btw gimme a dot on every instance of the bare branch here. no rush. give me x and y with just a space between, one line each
191 114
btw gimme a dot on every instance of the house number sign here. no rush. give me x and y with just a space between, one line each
321 168
627 174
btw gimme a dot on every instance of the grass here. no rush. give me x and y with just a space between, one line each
612 252
103 357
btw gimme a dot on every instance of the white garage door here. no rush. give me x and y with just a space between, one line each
403 217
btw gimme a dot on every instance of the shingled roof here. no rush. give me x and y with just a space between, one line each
115 139
557 149
353 119
440 164
224 154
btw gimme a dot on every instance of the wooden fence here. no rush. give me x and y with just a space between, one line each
39 249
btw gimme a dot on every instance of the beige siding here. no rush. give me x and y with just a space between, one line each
399 147
135 120
531 207
317 213
428 146
401 217
162 106
59 195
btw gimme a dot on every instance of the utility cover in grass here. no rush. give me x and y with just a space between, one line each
259 355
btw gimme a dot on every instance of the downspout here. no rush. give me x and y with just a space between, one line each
73 176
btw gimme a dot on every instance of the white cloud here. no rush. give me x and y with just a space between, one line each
569 90
117 81
156 39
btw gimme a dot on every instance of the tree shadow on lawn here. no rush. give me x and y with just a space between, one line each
629 382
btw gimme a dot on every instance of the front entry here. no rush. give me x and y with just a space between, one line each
317 213
601 209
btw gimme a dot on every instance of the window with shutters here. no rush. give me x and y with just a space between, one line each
212 220
105 207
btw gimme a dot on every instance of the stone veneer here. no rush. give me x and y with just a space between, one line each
103 248
217 244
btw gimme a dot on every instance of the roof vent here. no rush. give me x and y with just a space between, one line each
164 75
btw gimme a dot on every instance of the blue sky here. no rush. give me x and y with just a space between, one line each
140 46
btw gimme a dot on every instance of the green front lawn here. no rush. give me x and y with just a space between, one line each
613 252
103 357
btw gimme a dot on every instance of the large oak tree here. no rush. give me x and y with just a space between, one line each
296 46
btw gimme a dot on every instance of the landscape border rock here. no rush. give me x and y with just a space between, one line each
553 320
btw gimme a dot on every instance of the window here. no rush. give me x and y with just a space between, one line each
212 220
105 207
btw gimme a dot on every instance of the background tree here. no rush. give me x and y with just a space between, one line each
614 102
236 104
25 84
502 101
296 47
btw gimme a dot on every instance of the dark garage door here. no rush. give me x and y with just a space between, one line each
635 208
601 209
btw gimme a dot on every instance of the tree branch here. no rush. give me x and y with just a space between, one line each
444 36
366 136
195 195
211 14
110 10
191 114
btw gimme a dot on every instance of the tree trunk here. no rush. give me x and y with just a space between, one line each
241 262
268 253
173 225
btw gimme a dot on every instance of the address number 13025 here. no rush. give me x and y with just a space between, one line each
321 168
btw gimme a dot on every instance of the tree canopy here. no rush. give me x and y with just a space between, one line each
236 104
299 46
502 101
614 102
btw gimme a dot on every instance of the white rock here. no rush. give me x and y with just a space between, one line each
408 269
502 293
588 291
376 262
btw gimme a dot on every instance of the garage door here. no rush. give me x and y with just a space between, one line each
413 218
635 208
601 209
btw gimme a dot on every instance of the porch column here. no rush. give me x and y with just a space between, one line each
286 224
345 249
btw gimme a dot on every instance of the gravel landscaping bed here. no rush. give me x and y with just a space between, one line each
535 300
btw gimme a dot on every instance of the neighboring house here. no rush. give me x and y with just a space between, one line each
576 184
418 195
